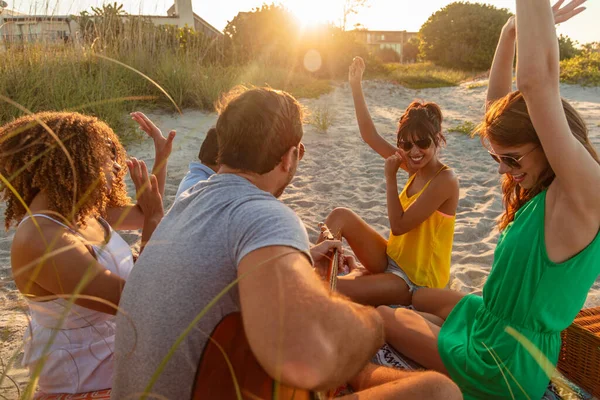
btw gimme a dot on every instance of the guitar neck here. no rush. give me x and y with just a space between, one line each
332 271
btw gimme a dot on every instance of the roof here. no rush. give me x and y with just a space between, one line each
36 18
171 13
8 12
206 24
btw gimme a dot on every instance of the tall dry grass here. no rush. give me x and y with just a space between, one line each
82 77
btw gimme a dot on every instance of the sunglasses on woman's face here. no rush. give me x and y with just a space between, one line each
510 161
423 144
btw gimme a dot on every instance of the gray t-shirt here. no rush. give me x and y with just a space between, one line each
192 256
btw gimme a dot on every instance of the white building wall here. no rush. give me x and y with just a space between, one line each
183 9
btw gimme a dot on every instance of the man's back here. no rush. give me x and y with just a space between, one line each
192 257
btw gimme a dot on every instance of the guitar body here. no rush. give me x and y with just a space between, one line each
228 361
214 378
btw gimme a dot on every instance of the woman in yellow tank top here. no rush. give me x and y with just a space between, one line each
417 253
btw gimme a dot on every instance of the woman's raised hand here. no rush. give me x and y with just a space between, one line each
162 145
146 189
567 12
560 14
509 26
356 70
393 164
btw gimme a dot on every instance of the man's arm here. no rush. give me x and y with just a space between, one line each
300 333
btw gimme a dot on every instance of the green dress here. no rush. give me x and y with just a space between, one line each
525 291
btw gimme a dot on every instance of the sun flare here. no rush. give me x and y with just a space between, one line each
314 12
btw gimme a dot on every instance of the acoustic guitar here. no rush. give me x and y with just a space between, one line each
228 369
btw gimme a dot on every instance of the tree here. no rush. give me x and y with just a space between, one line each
351 7
388 55
567 47
268 32
592 47
463 35
105 23
272 34
410 50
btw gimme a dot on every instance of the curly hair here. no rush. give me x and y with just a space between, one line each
32 161
507 122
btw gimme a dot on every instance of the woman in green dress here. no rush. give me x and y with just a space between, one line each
548 253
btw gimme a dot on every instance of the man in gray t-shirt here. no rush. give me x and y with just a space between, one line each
194 254
232 226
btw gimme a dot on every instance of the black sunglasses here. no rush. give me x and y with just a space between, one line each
423 144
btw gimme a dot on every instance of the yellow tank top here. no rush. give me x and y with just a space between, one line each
424 253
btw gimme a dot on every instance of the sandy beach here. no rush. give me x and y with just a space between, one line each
340 170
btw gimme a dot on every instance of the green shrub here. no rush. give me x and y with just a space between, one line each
410 51
463 35
583 69
567 47
424 75
388 55
465 127
477 85
321 118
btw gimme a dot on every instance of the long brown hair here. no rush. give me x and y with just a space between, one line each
32 161
508 124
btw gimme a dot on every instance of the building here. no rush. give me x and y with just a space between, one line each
379 40
17 27
181 14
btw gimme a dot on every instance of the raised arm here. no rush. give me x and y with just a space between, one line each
577 173
134 217
500 83
299 331
365 123
501 73
162 147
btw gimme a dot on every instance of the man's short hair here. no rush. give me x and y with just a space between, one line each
209 151
256 127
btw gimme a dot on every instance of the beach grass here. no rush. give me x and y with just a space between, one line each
43 78
477 85
425 75
465 128
321 117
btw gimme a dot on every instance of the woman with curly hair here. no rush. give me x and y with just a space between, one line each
547 255
63 184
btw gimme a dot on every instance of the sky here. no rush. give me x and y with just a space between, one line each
380 15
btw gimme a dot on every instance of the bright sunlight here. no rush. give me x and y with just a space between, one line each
314 12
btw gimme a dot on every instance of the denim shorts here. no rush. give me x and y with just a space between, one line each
393 268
